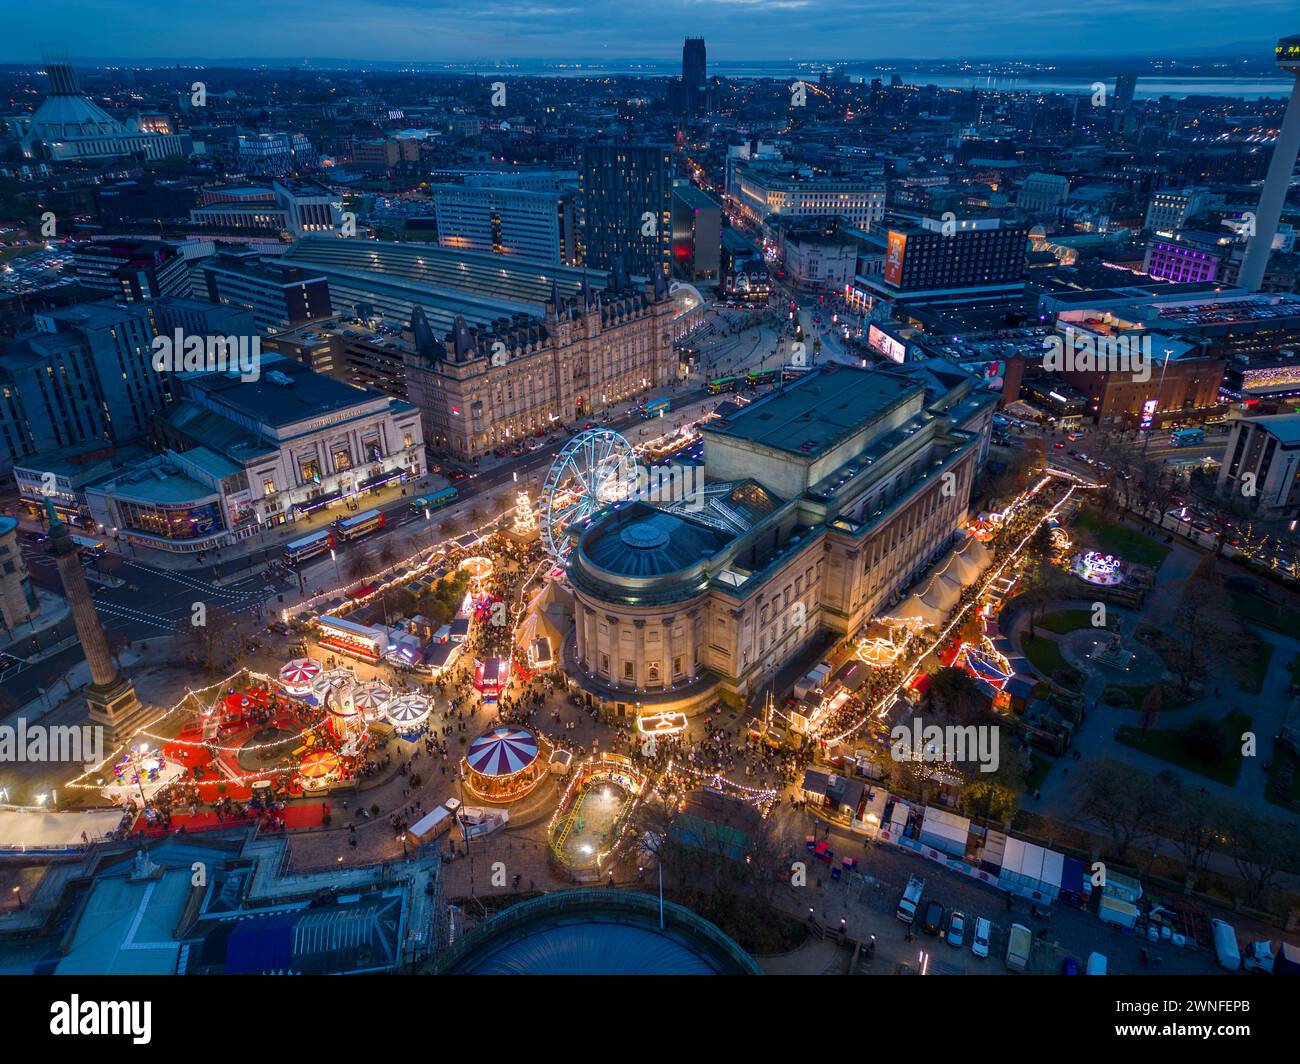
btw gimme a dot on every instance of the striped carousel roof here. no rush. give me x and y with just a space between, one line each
502 751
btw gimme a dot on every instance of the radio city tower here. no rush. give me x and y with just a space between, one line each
110 697
1280 167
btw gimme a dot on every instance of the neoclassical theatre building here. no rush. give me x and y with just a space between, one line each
822 502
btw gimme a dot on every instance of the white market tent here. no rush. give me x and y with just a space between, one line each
945 831
46 831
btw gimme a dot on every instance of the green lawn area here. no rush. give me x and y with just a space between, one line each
1249 671
1137 693
1043 653
1112 537
1166 744
1039 767
1275 615
1062 621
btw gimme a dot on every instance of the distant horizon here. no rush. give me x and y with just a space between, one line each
575 31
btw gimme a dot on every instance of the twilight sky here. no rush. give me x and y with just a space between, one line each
736 30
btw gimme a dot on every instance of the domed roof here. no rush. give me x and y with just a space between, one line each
70 117
644 541
597 932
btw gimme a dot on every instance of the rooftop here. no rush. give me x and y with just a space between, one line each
814 413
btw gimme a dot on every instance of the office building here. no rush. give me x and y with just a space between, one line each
534 224
1125 87
1173 208
697 234
18 602
1187 256
959 258
765 191
1043 193
627 207
1260 472
82 373
279 294
128 269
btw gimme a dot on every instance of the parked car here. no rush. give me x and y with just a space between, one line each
956 929
933 918
979 943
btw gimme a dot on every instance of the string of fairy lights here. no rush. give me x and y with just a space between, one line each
880 707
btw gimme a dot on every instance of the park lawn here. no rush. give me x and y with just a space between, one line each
1166 744
1039 767
1250 671
1112 537
1173 698
1062 621
1278 616
1043 653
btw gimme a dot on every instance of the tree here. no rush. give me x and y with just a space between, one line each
1260 850
1151 705
1196 821
1125 803
360 564
389 555
1197 616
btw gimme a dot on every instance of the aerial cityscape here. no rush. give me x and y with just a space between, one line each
554 493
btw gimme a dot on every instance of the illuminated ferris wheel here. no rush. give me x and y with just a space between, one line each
593 470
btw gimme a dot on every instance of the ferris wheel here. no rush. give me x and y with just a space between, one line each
591 471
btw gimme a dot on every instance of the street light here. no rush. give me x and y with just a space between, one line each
335 559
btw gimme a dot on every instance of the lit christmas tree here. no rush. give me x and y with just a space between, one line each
525 517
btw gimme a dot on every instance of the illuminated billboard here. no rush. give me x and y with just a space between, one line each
881 341
894 257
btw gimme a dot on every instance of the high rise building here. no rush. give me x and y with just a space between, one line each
627 207
969 256
280 295
1278 181
507 221
1125 86
128 269
83 374
695 89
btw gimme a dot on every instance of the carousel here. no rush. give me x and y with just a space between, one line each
329 681
347 719
409 715
1104 570
504 764
319 769
373 698
479 569
297 675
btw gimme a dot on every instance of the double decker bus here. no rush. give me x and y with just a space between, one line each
1186 437
308 547
755 377
655 407
348 528
722 384
792 372
434 501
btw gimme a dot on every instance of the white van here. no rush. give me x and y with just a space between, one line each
1096 964
1225 945
979 943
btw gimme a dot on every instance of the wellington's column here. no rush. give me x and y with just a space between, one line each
110 698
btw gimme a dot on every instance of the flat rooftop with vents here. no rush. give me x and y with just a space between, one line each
799 435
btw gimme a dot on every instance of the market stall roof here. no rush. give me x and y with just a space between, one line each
502 751
405 711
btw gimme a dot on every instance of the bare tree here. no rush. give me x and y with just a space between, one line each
1125 803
